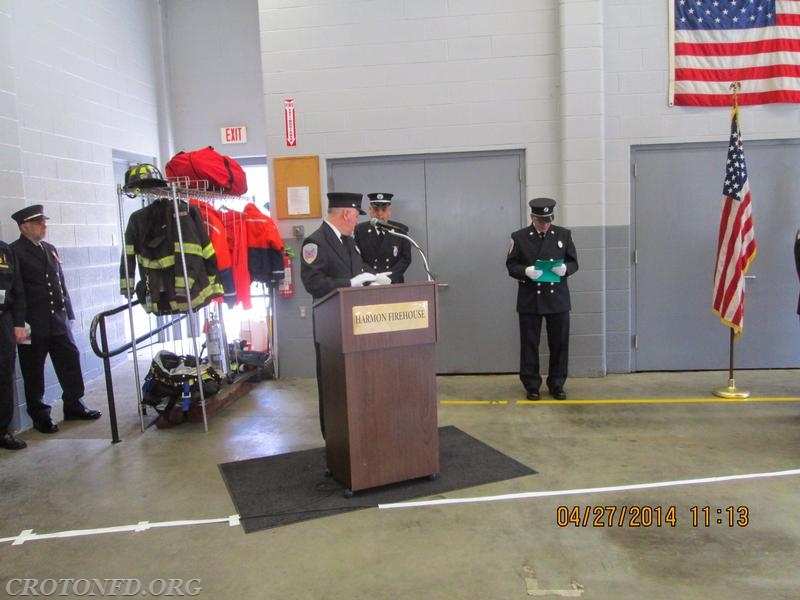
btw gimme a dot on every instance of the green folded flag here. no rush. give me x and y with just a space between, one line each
544 266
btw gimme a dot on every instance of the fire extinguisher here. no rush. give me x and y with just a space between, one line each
214 341
286 286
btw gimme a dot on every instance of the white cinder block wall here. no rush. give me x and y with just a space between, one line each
86 84
77 80
12 191
635 72
380 77
415 77
575 83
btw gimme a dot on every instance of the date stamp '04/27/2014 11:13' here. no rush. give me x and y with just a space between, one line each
612 515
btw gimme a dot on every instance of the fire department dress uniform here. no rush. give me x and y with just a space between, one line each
384 252
48 311
538 300
328 262
12 314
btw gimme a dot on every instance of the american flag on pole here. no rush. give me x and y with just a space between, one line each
736 247
716 42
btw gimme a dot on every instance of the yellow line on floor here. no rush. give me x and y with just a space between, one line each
710 399
665 400
486 402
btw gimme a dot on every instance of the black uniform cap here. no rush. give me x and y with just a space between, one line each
380 198
345 200
29 213
542 208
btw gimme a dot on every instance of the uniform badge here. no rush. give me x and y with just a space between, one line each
395 251
560 244
310 252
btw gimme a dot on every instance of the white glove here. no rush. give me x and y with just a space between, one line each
26 332
533 273
361 279
560 270
382 279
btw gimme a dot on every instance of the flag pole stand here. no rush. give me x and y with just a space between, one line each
731 391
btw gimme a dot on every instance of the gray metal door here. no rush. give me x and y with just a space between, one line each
473 206
461 210
677 199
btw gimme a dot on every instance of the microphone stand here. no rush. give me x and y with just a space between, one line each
431 276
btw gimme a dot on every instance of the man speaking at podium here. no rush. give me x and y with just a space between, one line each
330 260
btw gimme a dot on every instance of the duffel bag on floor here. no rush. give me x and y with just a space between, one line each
174 377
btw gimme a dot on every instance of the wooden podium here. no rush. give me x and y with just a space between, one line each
377 350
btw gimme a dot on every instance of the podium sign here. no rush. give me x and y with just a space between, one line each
377 352
386 318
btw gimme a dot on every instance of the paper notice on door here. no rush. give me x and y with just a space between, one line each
297 201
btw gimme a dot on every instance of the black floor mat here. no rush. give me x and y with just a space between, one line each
288 488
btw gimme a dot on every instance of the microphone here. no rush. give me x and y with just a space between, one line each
391 225
400 230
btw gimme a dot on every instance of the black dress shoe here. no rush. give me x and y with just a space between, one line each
533 395
558 393
10 442
46 426
85 414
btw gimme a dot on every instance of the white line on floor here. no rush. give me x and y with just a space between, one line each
27 535
596 490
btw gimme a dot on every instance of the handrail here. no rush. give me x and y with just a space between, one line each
103 352
117 351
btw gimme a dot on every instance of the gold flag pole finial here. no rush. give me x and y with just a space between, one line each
734 88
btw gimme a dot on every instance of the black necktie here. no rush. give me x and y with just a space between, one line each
350 244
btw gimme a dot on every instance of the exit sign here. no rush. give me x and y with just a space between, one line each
233 135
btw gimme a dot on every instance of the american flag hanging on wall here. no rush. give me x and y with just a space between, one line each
736 246
716 42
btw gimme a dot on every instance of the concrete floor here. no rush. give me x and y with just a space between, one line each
78 480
